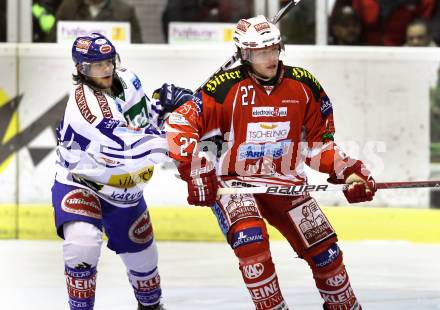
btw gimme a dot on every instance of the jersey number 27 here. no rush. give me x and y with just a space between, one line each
247 92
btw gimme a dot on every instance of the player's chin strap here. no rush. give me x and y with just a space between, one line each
295 190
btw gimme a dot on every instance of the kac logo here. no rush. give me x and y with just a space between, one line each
338 279
253 271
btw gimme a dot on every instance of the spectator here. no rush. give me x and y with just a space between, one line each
298 26
99 10
435 136
3 24
418 33
435 24
345 27
182 11
43 18
384 22
231 10
435 118
225 11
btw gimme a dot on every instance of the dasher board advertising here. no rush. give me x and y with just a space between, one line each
117 32
188 33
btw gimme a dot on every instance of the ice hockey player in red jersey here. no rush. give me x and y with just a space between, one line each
271 119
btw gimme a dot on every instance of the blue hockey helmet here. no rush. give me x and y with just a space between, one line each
91 54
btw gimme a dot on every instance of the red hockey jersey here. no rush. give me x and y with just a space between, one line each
267 131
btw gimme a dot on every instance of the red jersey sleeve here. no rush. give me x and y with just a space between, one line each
188 124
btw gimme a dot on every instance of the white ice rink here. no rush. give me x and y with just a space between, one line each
387 275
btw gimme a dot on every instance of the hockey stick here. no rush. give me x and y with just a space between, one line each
294 190
235 57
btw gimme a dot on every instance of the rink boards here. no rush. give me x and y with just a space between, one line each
380 98
185 223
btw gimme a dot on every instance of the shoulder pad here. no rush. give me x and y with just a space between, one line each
304 76
219 84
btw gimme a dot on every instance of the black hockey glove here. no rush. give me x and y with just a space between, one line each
171 97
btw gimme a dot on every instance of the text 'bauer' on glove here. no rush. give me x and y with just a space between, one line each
361 185
201 178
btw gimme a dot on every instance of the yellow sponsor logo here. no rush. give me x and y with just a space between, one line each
228 34
128 180
118 34
301 73
212 84
268 126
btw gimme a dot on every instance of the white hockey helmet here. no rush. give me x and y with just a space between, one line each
255 33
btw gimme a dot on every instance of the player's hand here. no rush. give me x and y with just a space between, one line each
202 181
360 188
171 97
361 185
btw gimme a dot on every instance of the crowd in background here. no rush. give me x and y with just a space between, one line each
45 14
351 22
385 22
2 20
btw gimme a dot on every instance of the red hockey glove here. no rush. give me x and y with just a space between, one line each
202 181
362 186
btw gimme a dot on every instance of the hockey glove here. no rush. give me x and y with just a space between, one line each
171 97
361 185
202 181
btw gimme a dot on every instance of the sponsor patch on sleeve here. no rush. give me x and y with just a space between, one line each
136 83
326 107
177 119
82 104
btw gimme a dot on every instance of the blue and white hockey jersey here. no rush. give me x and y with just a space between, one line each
110 144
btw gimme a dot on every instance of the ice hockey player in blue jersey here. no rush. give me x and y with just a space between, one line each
109 142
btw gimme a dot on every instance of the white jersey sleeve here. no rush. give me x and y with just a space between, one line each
105 143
